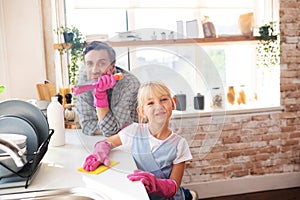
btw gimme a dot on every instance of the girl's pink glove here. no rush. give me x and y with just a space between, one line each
99 156
105 82
162 187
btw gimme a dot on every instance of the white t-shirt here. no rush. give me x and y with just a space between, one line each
128 133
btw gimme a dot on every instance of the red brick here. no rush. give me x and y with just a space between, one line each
231 140
248 152
241 173
262 157
233 167
271 137
221 162
233 154
295 135
260 117
232 126
288 129
210 170
269 149
290 142
218 155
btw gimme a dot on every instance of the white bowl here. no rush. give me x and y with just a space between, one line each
18 139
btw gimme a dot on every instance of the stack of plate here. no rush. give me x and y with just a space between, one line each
21 117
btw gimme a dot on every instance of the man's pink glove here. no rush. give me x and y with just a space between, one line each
105 82
162 187
99 156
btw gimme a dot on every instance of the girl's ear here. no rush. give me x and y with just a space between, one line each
140 111
142 117
174 103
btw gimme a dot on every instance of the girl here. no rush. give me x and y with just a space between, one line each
159 153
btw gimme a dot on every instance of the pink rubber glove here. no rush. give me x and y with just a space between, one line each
105 82
99 156
162 187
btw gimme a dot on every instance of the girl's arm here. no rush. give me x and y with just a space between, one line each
177 173
114 140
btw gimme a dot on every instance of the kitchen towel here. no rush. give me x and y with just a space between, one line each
100 169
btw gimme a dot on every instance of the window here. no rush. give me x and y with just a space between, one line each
186 69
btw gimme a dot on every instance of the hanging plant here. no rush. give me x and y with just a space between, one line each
268 49
77 43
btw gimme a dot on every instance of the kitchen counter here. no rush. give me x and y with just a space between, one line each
59 170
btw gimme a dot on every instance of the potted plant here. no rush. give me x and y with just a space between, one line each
268 49
77 42
1 88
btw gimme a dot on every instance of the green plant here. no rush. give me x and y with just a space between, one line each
268 49
78 43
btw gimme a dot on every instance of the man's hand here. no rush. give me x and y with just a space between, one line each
105 82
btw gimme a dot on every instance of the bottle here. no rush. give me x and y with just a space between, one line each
199 102
56 121
180 102
208 28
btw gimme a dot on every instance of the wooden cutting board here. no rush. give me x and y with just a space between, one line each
46 91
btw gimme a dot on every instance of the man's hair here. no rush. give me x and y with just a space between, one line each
96 45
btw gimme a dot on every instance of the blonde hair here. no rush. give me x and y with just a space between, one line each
149 90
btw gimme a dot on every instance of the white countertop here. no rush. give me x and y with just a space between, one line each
59 170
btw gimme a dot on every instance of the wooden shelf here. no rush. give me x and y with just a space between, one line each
200 41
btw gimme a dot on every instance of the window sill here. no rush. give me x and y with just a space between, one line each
206 113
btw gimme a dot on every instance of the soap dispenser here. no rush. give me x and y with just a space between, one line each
199 102
56 121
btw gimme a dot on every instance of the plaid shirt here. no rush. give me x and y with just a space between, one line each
122 100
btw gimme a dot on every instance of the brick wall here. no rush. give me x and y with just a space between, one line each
252 144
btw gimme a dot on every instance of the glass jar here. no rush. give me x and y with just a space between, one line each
241 96
217 101
231 95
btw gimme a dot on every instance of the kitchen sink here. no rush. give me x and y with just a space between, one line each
63 194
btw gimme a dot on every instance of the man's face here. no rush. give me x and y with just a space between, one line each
97 64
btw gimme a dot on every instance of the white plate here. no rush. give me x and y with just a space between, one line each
17 125
29 112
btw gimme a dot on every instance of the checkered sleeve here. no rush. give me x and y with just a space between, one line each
87 113
85 107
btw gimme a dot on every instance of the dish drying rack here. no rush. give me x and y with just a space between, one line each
32 165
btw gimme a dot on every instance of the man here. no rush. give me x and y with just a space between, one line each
112 105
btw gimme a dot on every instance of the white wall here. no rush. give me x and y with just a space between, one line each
22 58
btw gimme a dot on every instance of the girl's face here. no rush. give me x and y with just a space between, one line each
157 109
97 63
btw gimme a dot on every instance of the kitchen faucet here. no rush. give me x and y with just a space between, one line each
14 151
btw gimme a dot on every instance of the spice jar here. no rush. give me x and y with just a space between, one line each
231 95
217 98
241 99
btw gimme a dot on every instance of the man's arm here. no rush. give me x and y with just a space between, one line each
122 106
